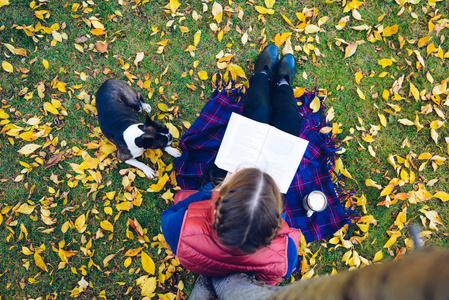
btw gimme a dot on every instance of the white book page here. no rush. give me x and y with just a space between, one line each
280 157
241 143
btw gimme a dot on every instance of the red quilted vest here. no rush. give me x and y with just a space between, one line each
200 251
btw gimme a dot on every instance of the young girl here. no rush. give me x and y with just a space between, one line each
236 226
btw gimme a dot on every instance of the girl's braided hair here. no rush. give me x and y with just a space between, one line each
248 211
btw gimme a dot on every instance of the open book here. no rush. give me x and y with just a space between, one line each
248 143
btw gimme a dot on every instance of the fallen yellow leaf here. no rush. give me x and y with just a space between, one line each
80 223
3 114
370 182
356 14
45 63
443 196
358 76
387 190
286 19
106 225
217 12
184 29
401 219
269 3
238 70
425 155
160 184
196 38
363 227
97 31
382 119
386 62
434 134
346 173
50 108
423 41
148 287
220 35
323 20
4 3
385 94
203 75
360 93
311 29
25 209
308 275
393 237
315 104
433 217
430 48
378 256
406 122
172 6
173 130
125 205
335 240
26 251
147 263
40 262
368 138
390 30
298 92
350 50
7 67
28 149
107 259
127 262
133 252
96 24
264 10
414 92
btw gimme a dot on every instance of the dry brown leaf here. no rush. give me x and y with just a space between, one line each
101 47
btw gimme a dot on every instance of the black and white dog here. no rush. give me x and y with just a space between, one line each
116 104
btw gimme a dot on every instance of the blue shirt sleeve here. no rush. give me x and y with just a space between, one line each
292 256
172 218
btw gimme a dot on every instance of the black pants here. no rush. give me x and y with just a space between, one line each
277 107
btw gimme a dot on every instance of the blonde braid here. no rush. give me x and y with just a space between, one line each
218 206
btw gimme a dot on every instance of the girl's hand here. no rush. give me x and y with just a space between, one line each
227 178
230 174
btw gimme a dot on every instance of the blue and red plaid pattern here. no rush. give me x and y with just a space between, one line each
200 145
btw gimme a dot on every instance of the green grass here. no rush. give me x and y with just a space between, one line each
132 32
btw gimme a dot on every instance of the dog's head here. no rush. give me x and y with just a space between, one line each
155 135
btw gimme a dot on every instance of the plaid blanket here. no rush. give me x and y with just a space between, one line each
200 145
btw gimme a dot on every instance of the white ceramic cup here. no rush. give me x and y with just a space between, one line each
316 201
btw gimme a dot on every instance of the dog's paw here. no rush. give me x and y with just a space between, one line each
149 172
173 151
146 107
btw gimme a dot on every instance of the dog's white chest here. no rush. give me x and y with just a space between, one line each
130 135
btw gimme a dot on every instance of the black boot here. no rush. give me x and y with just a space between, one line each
267 60
285 69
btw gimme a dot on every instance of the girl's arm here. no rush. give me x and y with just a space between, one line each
292 256
172 218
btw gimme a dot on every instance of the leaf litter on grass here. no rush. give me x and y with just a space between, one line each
80 231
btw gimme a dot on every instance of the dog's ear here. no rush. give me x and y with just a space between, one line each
148 122
151 125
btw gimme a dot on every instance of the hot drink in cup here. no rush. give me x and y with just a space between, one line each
316 201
